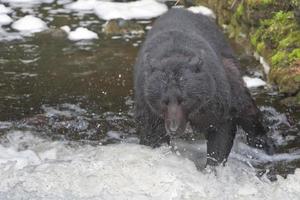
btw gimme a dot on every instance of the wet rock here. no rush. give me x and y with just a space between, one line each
122 27
53 33
291 101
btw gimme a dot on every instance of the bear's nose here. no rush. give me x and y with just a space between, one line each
173 125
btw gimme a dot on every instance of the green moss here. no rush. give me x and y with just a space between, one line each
266 2
260 47
273 32
281 35
257 3
279 58
253 40
294 55
256 37
277 28
292 40
297 79
240 10
295 2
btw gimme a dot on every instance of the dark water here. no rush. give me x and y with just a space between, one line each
82 91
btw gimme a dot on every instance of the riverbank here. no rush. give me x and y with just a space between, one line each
271 30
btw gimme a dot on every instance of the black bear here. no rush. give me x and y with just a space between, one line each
186 72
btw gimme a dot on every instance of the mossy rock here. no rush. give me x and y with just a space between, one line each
291 101
273 30
287 79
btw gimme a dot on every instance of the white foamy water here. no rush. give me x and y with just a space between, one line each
143 9
32 167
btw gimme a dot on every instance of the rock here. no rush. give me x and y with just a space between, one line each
291 101
53 33
122 27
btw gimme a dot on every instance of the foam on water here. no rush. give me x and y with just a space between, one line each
33 167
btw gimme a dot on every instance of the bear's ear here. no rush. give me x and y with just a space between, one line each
196 61
195 64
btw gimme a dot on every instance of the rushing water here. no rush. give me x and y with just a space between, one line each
66 106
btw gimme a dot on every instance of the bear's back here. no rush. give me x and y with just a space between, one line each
192 24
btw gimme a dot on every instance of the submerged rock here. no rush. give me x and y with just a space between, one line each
53 33
121 27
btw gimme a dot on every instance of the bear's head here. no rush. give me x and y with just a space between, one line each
176 86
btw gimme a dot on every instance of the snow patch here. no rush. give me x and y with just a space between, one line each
202 10
265 65
82 5
5 19
143 9
79 33
4 9
20 3
29 24
67 29
253 82
263 62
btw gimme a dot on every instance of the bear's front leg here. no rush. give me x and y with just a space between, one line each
219 143
151 129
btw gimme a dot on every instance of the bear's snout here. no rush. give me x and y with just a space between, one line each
175 120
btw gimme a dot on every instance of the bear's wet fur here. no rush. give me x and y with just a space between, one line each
186 72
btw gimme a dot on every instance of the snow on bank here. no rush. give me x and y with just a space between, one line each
29 24
143 9
5 19
4 9
253 82
202 10
36 168
79 34
82 5
21 3
263 62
